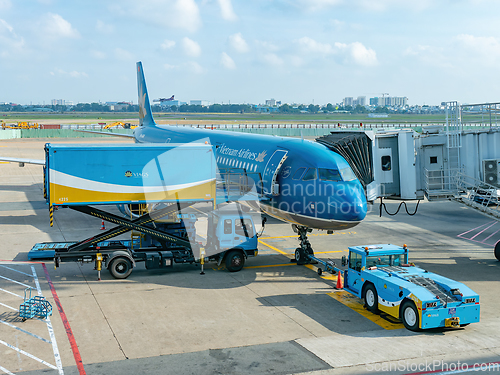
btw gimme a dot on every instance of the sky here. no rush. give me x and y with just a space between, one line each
247 51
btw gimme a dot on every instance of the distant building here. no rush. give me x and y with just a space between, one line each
117 106
58 102
203 103
273 103
389 101
350 101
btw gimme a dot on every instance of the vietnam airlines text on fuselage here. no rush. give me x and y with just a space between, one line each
317 188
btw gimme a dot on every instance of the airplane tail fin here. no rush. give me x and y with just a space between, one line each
145 114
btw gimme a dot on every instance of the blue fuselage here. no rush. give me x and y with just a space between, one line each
315 186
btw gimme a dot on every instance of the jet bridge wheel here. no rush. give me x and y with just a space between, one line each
120 268
235 260
409 316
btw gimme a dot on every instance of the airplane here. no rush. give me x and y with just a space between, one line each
161 100
304 182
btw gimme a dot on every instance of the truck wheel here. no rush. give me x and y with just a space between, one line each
235 261
300 256
120 268
409 316
371 298
497 250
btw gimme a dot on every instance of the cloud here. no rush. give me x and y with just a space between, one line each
122 54
167 44
5 4
190 47
486 45
272 59
239 44
98 54
104 28
169 14
54 26
195 67
361 55
9 40
226 9
317 5
308 45
72 74
227 62
352 53
429 55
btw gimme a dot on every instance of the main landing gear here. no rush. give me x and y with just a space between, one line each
305 248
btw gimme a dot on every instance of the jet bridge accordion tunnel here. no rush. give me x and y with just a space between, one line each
356 149
384 162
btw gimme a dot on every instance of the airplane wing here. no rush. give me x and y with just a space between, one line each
22 161
107 133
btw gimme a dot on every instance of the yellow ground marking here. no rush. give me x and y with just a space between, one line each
273 248
354 303
4 162
309 235
328 252
347 299
272 265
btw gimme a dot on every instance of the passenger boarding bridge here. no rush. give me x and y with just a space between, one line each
449 161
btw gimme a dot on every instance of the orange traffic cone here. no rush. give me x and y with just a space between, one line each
102 225
339 281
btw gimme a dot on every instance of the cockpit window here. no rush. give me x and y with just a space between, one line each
347 174
298 174
329 174
311 174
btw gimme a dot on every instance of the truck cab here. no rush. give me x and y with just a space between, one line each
381 275
232 237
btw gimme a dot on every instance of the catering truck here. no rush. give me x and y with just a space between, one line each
154 187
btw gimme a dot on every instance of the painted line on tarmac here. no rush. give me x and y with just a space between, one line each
273 248
347 298
4 369
15 348
15 282
55 349
353 302
9 307
310 235
24 331
272 265
67 327
13 269
14 294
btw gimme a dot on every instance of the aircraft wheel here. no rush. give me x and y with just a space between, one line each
497 250
235 260
409 316
371 298
120 268
300 256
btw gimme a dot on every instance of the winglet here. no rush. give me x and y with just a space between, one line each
145 114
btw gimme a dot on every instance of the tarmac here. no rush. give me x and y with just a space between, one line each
273 317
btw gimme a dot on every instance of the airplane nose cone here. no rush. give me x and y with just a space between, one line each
349 203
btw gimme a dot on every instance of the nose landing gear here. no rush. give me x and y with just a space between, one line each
305 249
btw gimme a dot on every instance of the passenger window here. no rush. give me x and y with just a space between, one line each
386 163
243 227
311 174
298 174
228 226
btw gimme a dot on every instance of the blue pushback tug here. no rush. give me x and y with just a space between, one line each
382 276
